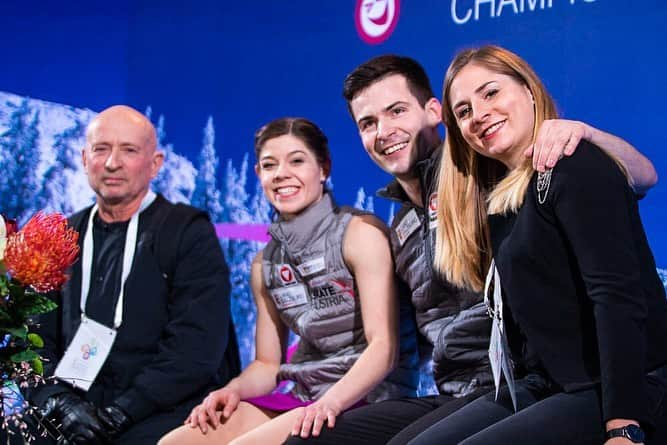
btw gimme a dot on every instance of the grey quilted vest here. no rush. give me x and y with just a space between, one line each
453 320
316 296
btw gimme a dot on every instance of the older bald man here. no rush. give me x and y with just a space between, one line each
143 330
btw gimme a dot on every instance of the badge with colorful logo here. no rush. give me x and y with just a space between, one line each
89 350
285 273
376 19
433 211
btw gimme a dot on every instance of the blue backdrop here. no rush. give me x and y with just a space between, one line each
247 62
244 63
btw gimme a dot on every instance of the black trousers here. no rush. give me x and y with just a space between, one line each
392 422
146 432
544 417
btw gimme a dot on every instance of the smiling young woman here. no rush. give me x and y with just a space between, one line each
290 173
579 312
326 275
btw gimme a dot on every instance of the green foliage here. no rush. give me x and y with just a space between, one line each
35 340
16 332
18 304
33 303
24 356
37 366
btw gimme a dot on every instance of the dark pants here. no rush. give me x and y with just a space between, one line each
146 432
391 422
150 430
543 417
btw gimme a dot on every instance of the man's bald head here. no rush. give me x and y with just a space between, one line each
121 159
124 113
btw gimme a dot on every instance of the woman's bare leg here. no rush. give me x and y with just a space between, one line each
245 418
272 432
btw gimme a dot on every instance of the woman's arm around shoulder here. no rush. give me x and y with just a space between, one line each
558 137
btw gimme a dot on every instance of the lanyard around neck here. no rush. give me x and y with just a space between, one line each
128 257
493 276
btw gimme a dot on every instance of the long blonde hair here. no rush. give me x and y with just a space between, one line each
470 186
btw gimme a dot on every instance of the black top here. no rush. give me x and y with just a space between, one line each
170 348
105 276
580 283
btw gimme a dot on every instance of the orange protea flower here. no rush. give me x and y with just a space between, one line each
41 251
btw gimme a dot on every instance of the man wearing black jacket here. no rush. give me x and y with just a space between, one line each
155 279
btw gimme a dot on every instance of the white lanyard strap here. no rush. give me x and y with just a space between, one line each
498 347
493 275
128 257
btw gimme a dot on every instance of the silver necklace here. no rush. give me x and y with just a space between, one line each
543 183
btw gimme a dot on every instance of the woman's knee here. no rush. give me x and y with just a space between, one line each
183 435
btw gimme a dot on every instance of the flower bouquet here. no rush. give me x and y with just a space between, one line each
33 262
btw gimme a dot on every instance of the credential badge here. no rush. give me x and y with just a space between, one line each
407 226
311 266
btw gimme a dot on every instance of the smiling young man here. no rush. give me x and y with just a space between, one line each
398 119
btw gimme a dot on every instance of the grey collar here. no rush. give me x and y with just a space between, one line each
297 233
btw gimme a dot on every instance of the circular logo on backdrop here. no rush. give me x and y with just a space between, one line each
376 19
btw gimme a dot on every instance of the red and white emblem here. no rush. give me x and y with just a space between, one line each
433 203
376 19
286 274
433 211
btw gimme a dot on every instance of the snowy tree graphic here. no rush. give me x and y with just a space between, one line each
239 253
236 196
206 195
364 202
53 196
260 208
168 181
662 273
19 157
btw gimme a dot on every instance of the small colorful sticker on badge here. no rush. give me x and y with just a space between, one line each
89 350
286 274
